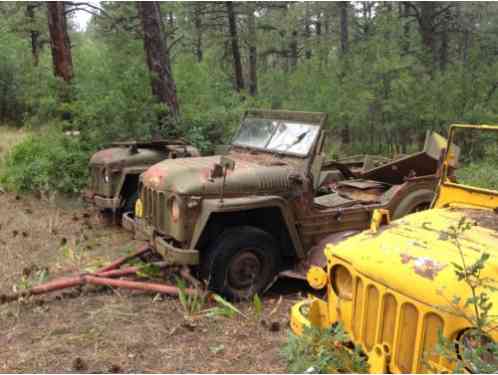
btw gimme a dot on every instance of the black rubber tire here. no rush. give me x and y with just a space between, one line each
219 265
418 200
130 202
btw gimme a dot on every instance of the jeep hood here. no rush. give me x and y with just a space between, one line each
190 176
414 255
120 157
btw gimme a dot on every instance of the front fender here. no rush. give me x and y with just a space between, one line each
215 205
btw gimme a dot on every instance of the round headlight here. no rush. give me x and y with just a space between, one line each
342 281
477 350
175 209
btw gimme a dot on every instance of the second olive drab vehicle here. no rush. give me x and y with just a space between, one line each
268 205
114 171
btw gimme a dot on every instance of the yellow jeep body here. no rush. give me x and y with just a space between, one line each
392 287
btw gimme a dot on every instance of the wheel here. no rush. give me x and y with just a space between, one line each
241 263
130 202
416 201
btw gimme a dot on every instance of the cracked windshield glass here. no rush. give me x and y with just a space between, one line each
478 157
277 135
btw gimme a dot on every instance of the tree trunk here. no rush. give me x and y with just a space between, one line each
157 57
343 14
253 53
34 34
59 41
405 38
307 32
443 51
237 63
198 33
426 24
293 49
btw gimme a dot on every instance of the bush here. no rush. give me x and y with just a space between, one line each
47 162
324 351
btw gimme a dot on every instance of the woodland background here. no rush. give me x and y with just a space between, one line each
385 72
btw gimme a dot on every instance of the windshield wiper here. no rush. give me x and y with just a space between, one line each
299 138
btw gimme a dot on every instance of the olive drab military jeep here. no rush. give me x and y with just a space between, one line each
267 205
114 171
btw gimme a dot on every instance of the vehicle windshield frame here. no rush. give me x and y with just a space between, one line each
448 156
316 124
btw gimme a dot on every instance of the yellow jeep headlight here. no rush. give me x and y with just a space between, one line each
139 208
316 277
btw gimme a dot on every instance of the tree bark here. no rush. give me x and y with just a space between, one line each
59 41
157 57
198 33
307 32
253 53
443 51
405 38
427 32
237 62
344 31
33 33
293 49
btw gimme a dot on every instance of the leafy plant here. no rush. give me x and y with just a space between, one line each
475 350
258 305
323 351
223 308
192 304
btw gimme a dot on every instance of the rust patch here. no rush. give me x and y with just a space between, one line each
155 175
423 266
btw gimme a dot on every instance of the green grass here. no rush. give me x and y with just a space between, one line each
10 136
481 174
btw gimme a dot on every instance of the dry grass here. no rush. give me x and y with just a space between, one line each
9 136
103 330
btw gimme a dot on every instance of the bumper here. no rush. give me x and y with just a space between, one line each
102 202
307 313
298 319
171 254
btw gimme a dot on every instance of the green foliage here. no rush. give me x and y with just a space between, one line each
475 350
191 303
258 305
47 161
324 351
223 308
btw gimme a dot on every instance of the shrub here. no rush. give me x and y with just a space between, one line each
324 351
47 162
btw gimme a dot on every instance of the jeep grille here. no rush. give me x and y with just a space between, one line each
97 183
154 205
383 317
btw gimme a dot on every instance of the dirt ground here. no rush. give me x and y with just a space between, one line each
106 330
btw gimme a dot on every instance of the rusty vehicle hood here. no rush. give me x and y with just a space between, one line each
414 254
120 157
191 176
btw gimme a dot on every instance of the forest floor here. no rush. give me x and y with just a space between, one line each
98 329
106 330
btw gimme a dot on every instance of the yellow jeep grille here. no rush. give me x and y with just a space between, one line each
409 329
